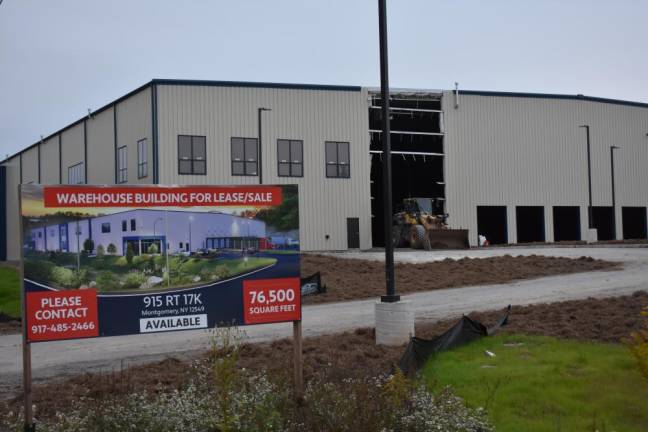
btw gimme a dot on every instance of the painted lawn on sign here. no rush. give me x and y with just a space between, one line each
141 272
539 383
9 291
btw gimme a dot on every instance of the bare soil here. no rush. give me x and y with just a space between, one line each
8 325
350 354
352 279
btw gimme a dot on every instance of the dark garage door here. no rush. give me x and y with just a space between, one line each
634 222
491 223
566 222
604 222
530 224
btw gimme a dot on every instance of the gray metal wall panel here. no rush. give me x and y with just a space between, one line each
134 124
313 116
30 165
50 161
72 149
101 148
13 226
530 151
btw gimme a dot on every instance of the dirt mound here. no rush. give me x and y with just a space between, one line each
351 279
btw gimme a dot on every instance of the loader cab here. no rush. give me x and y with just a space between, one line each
431 206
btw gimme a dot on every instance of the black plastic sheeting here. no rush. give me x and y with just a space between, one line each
312 285
466 330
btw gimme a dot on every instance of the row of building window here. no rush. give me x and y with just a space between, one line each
192 157
76 173
142 161
105 227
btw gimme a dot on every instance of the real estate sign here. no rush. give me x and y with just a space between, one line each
117 260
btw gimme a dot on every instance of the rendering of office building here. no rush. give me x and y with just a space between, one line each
180 231
512 167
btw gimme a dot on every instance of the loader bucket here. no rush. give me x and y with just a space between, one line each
449 239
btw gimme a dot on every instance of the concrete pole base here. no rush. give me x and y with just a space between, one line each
394 322
592 235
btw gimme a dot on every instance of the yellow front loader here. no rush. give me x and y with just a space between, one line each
422 225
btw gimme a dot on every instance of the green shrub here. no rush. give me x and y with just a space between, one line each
100 251
67 278
121 261
107 281
134 280
63 276
39 270
222 272
112 249
206 274
152 249
129 253
88 245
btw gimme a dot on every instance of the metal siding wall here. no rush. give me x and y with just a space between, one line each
12 211
101 148
30 165
134 124
526 151
3 213
50 161
72 150
220 113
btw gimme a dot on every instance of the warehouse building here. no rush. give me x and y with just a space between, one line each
179 231
512 167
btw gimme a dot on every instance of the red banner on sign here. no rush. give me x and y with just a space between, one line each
271 300
161 196
53 315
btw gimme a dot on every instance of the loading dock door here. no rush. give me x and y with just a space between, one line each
530 224
603 218
491 223
566 222
634 222
353 233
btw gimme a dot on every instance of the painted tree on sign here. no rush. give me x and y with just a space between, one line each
284 217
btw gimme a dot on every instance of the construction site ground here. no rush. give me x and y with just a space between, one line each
350 354
59 360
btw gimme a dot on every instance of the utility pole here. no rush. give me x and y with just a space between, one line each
390 296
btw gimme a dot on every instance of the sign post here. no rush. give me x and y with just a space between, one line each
27 378
214 263
298 360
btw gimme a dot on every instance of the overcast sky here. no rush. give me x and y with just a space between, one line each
58 58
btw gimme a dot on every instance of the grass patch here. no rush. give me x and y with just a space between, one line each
9 291
538 383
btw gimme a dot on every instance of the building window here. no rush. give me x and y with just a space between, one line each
124 226
133 225
105 227
122 164
40 234
142 159
76 174
337 159
192 155
290 158
244 157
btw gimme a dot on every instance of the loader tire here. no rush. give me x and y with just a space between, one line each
417 237
397 237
